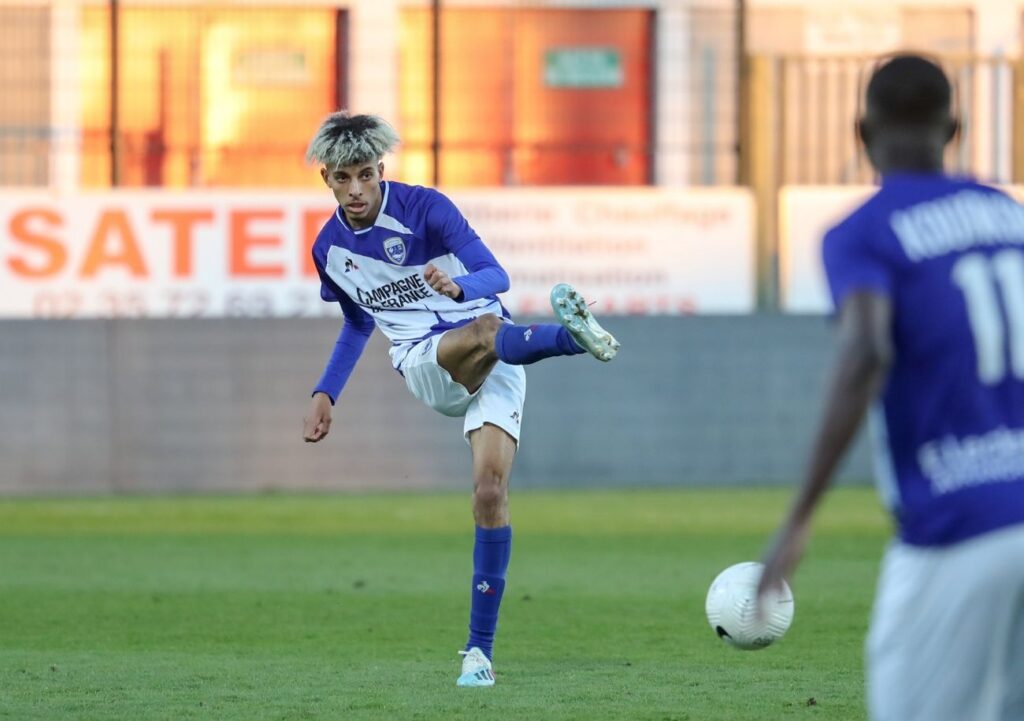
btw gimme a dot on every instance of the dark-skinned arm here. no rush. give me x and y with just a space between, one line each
862 361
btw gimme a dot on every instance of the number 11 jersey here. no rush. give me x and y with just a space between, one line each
949 428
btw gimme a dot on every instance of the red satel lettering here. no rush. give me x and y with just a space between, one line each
113 244
53 254
243 240
312 222
182 223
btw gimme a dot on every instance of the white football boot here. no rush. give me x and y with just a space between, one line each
572 312
476 669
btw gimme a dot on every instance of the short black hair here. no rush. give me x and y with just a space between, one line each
909 90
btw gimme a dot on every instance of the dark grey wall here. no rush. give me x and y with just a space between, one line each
188 405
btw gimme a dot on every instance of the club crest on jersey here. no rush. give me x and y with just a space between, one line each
395 250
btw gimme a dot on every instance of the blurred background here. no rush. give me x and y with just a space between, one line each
677 160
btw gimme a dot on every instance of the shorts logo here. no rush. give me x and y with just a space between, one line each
427 346
515 416
394 248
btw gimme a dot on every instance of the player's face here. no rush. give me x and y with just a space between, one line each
357 190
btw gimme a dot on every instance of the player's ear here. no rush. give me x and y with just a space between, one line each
380 169
953 130
863 130
323 174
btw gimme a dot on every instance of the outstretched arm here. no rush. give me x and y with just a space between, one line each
349 347
864 355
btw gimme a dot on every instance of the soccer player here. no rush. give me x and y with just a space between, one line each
403 259
927 278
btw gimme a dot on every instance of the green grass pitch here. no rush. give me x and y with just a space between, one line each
353 606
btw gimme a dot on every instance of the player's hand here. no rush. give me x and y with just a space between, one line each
317 423
782 558
440 282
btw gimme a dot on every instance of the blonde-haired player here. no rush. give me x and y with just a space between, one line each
403 259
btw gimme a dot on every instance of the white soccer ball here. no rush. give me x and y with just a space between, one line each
731 607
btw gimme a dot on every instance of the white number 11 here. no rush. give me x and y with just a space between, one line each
982 279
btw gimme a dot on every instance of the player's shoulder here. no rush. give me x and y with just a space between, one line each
870 221
414 203
858 223
414 195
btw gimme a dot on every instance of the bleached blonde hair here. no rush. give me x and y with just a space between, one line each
343 140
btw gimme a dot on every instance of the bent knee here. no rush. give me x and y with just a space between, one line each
487 326
484 330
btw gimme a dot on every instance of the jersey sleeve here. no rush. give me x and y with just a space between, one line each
446 223
486 277
347 351
853 262
351 341
329 291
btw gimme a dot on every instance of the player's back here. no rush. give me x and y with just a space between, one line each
949 253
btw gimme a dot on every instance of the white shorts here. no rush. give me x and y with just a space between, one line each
499 401
947 632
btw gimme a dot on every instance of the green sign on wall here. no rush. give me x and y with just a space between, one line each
583 68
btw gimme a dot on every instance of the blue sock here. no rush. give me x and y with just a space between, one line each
521 345
490 561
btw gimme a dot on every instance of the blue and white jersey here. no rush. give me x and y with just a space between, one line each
379 270
949 253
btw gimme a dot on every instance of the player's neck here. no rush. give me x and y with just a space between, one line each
910 159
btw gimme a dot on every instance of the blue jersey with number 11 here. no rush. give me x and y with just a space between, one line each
949 254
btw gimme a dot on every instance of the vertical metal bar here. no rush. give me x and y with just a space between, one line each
803 123
707 154
966 103
742 96
341 59
998 137
773 299
843 121
652 99
1017 106
197 151
821 90
436 67
115 72
115 105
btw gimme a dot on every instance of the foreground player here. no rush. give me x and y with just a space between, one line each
402 258
928 283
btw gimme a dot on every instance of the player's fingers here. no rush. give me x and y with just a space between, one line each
429 272
315 428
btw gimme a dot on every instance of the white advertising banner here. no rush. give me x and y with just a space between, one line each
805 215
199 254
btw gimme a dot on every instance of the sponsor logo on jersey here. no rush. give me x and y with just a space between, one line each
394 248
396 294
